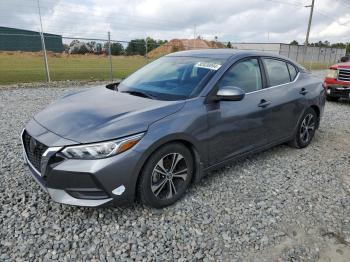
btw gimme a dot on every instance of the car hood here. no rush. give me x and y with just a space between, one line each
341 65
98 114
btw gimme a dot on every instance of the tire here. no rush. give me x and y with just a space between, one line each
332 98
161 183
306 129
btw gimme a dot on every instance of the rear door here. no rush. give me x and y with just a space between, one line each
285 99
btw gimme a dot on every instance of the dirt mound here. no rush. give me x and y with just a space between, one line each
183 44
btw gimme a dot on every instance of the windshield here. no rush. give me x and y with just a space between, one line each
171 78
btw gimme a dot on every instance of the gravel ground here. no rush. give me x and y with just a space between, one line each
280 205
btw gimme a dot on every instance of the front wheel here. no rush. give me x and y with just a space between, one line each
166 175
306 129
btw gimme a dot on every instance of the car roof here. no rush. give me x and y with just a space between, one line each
228 53
225 53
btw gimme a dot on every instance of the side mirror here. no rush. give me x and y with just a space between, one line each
230 93
113 86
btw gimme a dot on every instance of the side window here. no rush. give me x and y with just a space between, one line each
277 71
245 75
292 71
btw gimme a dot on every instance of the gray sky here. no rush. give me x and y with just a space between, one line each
230 20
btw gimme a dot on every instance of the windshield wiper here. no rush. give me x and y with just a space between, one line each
140 93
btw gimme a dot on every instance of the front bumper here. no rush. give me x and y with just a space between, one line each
338 89
338 92
89 183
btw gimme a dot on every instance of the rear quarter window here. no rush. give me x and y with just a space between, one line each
292 71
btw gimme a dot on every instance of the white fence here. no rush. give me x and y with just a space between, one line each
306 54
299 53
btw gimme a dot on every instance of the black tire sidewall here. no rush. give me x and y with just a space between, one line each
299 142
145 193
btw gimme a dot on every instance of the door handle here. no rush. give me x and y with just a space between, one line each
264 103
303 91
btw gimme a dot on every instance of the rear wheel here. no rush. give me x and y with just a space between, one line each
306 129
166 176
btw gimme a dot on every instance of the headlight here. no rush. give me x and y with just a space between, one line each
332 73
101 150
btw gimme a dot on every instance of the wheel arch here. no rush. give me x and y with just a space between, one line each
184 140
318 113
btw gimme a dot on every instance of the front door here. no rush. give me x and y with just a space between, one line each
238 126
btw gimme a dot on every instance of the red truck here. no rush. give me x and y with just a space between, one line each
337 81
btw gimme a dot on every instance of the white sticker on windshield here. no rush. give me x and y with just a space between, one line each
208 65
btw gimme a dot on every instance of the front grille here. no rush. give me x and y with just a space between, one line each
344 75
34 150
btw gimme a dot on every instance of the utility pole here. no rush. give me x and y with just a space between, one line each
43 46
310 21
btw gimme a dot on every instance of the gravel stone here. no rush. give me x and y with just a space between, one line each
283 204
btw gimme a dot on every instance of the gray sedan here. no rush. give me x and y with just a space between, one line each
162 128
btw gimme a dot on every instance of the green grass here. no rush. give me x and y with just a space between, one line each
18 67
21 67
315 65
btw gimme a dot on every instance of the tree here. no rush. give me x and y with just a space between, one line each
321 44
136 47
229 44
151 44
294 42
338 45
162 42
116 48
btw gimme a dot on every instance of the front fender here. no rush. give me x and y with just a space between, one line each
189 126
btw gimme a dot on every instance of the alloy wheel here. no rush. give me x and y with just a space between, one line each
307 128
169 176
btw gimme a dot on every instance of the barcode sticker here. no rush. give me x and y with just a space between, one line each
208 65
